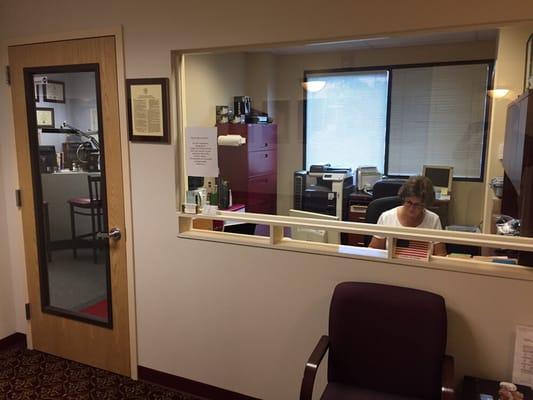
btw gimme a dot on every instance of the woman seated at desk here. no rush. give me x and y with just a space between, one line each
416 194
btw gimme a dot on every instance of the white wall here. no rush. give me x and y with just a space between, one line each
242 318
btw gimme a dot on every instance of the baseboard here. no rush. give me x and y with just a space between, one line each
15 340
189 386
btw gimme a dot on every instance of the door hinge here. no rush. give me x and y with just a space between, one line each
28 313
8 75
18 198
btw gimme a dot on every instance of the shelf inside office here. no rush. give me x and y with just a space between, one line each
432 235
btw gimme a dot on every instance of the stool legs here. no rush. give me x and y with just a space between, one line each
73 231
93 234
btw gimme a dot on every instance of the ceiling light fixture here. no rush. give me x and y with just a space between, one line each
313 86
497 93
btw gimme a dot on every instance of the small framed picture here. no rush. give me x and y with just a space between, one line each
148 107
54 92
45 117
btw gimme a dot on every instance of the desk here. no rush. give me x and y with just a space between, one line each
358 203
217 225
473 387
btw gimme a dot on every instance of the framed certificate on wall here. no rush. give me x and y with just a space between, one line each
54 92
45 117
148 110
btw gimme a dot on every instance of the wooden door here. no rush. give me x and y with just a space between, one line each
65 96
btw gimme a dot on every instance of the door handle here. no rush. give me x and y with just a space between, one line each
114 234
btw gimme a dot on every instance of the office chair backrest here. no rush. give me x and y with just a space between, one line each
387 338
376 208
386 188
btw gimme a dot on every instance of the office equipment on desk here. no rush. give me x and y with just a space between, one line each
441 176
479 389
463 228
366 177
311 234
324 190
47 159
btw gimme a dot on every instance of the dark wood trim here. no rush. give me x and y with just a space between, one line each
38 193
15 340
188 385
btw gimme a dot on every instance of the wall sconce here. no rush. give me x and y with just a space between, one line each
497 93
313 86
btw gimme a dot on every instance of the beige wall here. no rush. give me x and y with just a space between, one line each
7 309
210 80
243 318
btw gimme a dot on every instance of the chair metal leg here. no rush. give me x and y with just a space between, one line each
93 235
47 231
73 231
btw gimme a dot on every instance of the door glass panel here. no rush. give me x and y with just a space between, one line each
69 185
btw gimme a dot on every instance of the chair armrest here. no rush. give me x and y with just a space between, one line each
308 381
447 391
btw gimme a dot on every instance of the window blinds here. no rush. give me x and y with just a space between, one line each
437 118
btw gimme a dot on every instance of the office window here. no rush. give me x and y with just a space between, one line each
346 119
438 118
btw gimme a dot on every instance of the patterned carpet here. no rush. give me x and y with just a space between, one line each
27 374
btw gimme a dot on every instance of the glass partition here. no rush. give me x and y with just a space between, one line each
65 136
327 129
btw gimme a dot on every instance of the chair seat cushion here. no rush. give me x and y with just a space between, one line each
84 202
338 391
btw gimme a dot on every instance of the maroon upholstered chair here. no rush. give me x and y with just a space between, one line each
385 342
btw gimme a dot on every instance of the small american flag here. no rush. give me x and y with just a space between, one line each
411 249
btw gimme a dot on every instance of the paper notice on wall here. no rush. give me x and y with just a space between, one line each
523 356
202 155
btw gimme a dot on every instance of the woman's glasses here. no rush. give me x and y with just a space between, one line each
415 205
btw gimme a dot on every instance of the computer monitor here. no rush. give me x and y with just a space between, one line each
311 234
47 158
441 176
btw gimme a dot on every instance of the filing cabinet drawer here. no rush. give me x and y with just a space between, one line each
262 162
262 194
262 137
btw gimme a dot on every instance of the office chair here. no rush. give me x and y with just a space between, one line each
376 208
386 188
90 207
385 342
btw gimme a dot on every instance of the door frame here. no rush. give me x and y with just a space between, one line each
117 33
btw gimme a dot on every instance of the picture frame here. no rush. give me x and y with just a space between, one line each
54 92
148 110
528 70
45 117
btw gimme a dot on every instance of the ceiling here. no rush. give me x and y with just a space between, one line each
385 42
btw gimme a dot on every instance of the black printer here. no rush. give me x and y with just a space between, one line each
323 189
